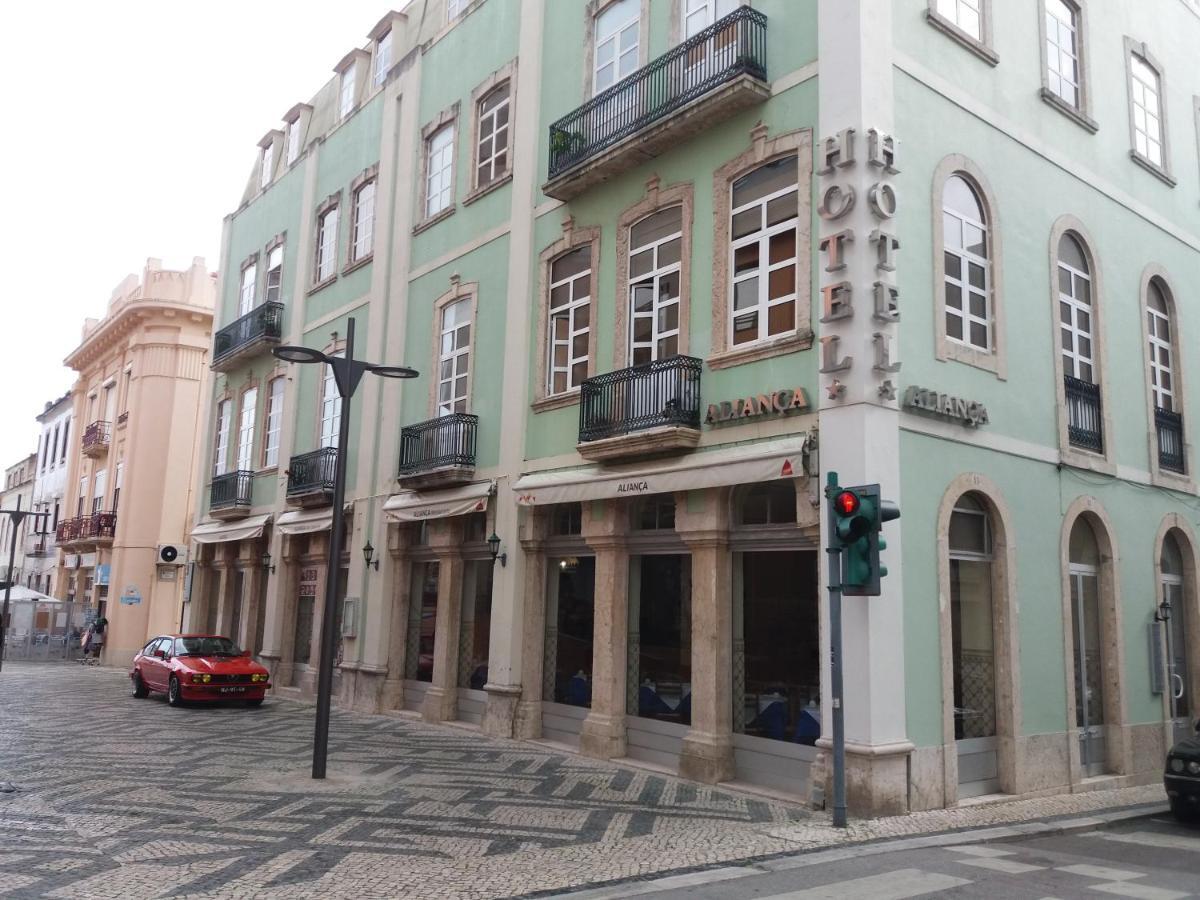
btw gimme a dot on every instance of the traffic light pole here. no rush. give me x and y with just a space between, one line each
833 552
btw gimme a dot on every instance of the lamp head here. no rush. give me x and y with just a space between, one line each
295 354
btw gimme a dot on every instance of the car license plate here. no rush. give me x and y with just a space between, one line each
233 690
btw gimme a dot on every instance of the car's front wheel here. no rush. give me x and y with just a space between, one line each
139 686
174 693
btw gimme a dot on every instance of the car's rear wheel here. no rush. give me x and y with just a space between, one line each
139 687
174 693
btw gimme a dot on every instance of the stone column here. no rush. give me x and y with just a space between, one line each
702 520
534 527
281 606
397 595
441 700
318 557
202 577
225 582
604 529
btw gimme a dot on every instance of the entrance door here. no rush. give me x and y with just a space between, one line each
1089 668
1177 628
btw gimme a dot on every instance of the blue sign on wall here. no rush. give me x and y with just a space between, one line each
102 573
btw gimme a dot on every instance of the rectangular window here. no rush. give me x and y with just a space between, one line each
246 430
45 449
1062 51
346 97
362 237
570 320
765 232
221 444
274 423
439 171
492 153
383 58
327 228
454 357
455 8
293 141
117 484
54 448
616 49
274 275
246 293
126 385
82 495
99 485
966 14
331 408
654 275
1147 111
268 163
65 432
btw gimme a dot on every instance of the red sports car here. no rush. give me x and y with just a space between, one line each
198 667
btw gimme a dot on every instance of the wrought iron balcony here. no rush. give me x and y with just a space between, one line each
260 327
230 495
99 527
1085 422
439 451
646 409
709 77
39 545
1169 426
96 438
66 530
311 477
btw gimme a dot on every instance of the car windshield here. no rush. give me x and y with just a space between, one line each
206 646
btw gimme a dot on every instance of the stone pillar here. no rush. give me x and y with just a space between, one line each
202 576
702 520
281 606
441 700
604 529
535 525
397 595
225 581
317 557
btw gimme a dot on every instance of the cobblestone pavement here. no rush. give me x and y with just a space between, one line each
130 798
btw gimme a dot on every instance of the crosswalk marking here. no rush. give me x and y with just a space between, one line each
1152 839
1007 866
980 850
1101 873
1138 891
898 885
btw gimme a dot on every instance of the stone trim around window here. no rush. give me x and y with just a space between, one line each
595 8
333 201
278 240
1159 476
457 291
676 36
359 60
1163 172
996 360
506 73
1073 456
981 48
762 150
1081 114
448 116
655 198
1185 537
367 175
572 238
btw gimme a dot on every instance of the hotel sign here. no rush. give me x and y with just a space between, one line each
966 412
776 403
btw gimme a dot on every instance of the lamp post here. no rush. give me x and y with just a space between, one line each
16 516
347 373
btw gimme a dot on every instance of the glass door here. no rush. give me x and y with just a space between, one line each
1089 669
1177 667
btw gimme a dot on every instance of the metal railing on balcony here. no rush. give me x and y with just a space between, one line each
732 46
233 490
96 436
1169 426
96 527
1085 422
263 323
663 392
66 530
438 443
312 473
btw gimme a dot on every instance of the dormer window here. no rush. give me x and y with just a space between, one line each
268 163
293 141
346 98
383 58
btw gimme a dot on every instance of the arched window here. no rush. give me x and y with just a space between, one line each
1088 658
1158 322
654 272
1172 583
569 316
1077 327
968 276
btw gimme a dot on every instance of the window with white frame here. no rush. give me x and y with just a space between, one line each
699 14
331 407
764 232
570 320
383 58
1158 320
455 8
273 422
616 43
362 230
268 163
492 152
274 274
439 170
654 274
293 141
246 293
716 52
1147 110
221 444
346 95
968 270
1062 51
245 451
80 499
99 485
454 357
327 229
1075 311
966 14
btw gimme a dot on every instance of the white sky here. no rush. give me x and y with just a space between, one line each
130 129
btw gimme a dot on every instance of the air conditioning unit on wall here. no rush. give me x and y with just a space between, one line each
172 554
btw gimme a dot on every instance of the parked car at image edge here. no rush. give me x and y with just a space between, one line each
1182 777
189 667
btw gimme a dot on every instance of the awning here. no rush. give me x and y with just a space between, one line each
239 530
415 506
742 464
305 521
19 592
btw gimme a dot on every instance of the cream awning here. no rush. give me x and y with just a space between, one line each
220 532
741 464
305 521
415 506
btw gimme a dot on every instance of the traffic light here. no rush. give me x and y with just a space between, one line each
858 517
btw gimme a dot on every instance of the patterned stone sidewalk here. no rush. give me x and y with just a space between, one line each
130 798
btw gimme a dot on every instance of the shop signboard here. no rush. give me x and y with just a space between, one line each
945 406
774 404
103 571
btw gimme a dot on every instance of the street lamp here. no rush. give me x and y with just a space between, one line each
347 373
16 516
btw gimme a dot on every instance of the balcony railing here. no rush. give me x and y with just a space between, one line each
1170 440
96 437
312 473
445 442
39 544
663 392
1085 423
96 527
230 491
66 530
263 324
732 46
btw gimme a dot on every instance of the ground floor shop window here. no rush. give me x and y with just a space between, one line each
570 618
476 624
971 621
422 622
660 638
776 647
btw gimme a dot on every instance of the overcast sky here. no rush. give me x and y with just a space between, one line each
130 129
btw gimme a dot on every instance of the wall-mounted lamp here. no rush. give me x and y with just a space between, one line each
266 561
1163 613
369 555
494 545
